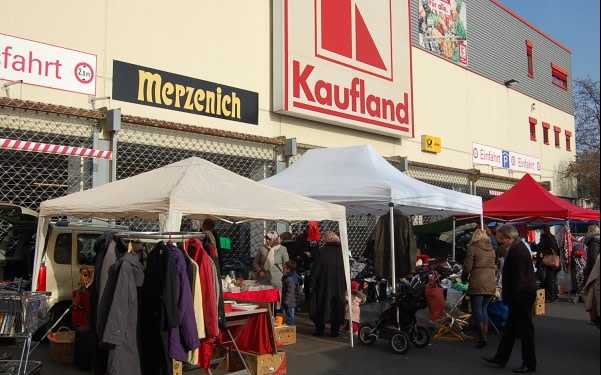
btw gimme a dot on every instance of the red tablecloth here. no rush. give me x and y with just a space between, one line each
254 335
267 295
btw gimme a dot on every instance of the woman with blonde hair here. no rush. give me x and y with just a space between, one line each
479 269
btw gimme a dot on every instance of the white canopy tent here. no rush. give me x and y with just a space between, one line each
194 189
363 181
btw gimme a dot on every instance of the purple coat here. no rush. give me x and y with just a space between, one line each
184 337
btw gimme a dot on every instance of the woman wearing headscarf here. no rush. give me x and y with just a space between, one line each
328 287
269 261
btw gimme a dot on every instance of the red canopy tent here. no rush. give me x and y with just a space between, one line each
528 201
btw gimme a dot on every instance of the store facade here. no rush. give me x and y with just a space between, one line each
461 94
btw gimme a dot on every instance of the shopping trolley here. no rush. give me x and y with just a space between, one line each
21 314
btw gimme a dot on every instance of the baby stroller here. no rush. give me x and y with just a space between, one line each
398 323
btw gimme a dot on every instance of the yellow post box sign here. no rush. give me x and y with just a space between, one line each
431 144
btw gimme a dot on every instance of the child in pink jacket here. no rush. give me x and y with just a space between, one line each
357 298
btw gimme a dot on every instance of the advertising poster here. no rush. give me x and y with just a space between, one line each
443 28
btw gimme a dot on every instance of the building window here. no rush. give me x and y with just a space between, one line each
560 76
529 46
533 122
546 128
568 140
557 131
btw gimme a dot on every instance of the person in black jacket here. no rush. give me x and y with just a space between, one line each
328 285
547 246
519 294
591 241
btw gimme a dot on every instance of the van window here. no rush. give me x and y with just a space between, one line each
62 248
85 248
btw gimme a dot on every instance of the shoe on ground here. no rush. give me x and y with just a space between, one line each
524 369
494 361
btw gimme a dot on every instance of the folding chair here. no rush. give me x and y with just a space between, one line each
452 324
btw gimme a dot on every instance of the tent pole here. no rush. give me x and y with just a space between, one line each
453 239
482 221
392 249
346 255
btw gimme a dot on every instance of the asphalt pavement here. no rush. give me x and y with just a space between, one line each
565 344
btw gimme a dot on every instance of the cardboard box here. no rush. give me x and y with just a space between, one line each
539 309
259 364
177 367
285 335
540 296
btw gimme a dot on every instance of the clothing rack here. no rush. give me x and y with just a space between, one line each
169 236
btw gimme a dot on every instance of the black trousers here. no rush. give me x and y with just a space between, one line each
551 287
519 322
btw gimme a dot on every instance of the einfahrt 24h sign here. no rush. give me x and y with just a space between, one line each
345 62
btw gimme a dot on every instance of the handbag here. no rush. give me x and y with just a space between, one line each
551 261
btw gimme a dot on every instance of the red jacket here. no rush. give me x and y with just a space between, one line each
207 285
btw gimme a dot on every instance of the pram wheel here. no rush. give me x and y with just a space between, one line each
366 335
399 342
420 337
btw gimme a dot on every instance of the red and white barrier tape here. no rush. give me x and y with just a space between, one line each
10 144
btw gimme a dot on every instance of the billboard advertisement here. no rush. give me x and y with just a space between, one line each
442 26
345 62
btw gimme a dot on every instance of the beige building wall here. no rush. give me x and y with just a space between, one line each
229 42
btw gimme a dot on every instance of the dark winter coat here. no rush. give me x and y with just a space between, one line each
121 331
479 268
548 245
591 242
328 286
290 290
518 273
405 247
160 311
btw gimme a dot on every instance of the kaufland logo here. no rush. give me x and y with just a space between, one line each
345 62
356 34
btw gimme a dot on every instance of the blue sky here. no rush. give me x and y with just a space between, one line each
573 24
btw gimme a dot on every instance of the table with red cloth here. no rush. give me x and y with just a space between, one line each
256 334
266 295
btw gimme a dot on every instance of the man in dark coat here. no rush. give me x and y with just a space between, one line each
519 294
328 285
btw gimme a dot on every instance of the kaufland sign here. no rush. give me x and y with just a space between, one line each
345 62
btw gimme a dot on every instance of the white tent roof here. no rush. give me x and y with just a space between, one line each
192 188
196 188
363 181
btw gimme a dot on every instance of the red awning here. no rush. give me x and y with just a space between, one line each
528 201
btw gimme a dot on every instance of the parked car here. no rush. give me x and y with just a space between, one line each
68 248
17 241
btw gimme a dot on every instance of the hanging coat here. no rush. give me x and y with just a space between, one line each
160 309
101 246
405 247
207 285
183 337
121 331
